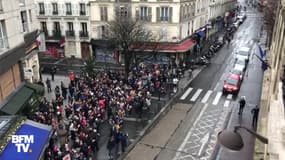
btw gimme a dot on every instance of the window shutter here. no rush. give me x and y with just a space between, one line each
73 9
99 31
170 14
63 9
48 9
137 13
101 14
181 13
149 13
106 13
86 9
157 14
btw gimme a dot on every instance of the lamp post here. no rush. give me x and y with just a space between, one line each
233 140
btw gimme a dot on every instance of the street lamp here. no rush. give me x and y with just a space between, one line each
233 140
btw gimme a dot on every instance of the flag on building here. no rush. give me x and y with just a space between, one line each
261 52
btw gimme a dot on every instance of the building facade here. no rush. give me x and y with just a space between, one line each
17 23
29 27
66 26
171 21
201 14
271 116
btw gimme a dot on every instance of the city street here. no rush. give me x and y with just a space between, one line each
208 110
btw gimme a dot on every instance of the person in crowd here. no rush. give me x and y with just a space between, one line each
48 85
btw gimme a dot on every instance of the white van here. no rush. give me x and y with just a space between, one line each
243 53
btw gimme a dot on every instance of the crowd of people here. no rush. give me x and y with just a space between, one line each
79 108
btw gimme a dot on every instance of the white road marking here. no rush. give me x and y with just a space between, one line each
216 87
217 98
190 132
188 91
204 140
227 103
229 96
196 95
206 97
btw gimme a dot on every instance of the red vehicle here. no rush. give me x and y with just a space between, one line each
232 84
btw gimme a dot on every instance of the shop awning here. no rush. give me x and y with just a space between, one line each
17 101
41 135
184 46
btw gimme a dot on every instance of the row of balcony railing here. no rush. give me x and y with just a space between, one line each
69 13
68 34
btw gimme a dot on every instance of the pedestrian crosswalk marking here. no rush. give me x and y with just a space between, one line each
229 96
227 103
188 91
217 98
196 95
206 97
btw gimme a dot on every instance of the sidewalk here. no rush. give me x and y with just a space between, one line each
150 145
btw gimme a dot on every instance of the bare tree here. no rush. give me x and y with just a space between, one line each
126 35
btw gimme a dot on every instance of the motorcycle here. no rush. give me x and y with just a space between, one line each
203 61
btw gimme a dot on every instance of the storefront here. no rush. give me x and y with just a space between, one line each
103 53
23 101
165 53
158 53
30 62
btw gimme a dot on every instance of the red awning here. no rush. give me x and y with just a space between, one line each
167 47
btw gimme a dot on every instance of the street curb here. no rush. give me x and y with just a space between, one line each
167 107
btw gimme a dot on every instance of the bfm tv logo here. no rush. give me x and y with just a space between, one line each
22 142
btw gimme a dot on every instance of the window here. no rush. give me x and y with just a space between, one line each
3 35
123 11
1 6
104 32
83 32
42 8
44 26
104 13
30 15
24 20
143 11
68 9
54 9
56 26
70 31
84 27
164 14
82 9
70 26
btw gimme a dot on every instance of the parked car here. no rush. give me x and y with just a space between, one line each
238 70
232 84
243 53
240 63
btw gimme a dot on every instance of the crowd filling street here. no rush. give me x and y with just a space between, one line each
79 108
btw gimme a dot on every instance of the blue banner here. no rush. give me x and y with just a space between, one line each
27 144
